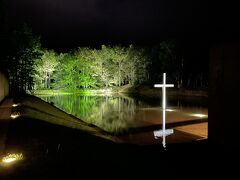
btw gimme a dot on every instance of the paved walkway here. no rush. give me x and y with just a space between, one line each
5 113
200 129
182 134
5 109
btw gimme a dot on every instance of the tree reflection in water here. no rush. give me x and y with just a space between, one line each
113 114
118 114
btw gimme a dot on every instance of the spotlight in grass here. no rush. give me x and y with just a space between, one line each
199 115
15 115
15 105
12 158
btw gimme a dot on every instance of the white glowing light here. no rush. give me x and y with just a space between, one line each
164 132
161 133
163 86
12 157
199 115
9 160
14 116
15 105
170 110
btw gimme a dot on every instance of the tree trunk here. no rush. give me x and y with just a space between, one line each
49 80
119 76
46 79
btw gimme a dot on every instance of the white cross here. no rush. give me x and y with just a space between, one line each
163 133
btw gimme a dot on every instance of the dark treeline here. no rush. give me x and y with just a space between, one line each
29 66
19 51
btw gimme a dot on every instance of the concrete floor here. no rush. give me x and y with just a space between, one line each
5 113
200 129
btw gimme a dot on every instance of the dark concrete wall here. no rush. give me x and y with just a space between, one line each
4 86
224 104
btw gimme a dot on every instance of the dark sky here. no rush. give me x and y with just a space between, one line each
71 23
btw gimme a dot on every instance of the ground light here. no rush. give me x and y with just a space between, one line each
170 110
199 115
15 115
10 158
15 105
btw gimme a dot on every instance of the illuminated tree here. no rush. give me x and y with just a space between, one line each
108 66
136 66
85 68
66 72
119 57
45 66
101 62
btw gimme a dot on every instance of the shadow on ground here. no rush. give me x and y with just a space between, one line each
52 152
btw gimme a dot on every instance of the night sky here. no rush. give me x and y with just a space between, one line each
73 23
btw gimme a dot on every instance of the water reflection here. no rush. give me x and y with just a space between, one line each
117 114
113 114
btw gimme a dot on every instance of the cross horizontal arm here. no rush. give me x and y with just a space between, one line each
163 85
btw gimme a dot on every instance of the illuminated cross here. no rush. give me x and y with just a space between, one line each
164 132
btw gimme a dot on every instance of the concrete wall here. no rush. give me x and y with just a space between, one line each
224 92
4 86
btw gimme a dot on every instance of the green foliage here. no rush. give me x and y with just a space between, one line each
86 68
109 66
44 67
91 68
66 73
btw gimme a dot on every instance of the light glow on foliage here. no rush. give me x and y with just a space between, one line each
107 91
88 68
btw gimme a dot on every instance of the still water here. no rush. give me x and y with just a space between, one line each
39 150
120 113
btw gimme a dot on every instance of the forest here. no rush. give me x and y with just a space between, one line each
30 66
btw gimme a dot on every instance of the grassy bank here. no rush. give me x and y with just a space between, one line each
85 92
155 92
146 91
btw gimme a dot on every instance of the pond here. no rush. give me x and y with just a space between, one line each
47 150
122 113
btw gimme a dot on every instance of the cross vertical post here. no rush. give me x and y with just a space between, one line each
162 133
